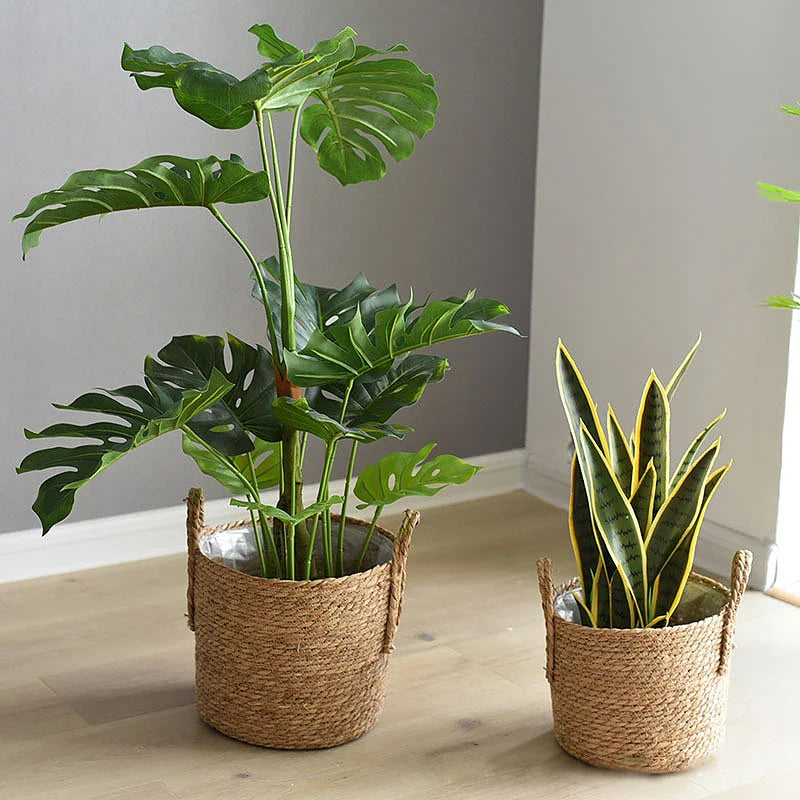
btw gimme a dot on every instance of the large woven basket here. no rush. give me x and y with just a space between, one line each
648 700
292 664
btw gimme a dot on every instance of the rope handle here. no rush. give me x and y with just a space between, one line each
740 572
402 543
544 568
195 518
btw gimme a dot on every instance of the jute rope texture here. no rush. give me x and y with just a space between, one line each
652 700
292 664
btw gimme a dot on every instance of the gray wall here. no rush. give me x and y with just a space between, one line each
93 299
657 120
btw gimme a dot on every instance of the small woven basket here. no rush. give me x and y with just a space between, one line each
642 699
296 665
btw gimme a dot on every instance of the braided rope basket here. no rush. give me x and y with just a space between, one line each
646 699
295 665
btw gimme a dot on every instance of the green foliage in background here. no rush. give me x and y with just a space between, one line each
782 195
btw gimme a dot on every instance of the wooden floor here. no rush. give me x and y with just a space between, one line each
96 688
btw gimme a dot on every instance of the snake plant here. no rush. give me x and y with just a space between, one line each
634 518
335 365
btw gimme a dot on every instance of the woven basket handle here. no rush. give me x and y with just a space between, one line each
740 572
544 567
195 516
402 542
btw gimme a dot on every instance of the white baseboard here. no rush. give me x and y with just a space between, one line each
716 545
146 534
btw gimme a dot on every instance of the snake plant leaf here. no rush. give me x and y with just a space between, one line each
298 415
678 513
318 306
643 498
187 362
400 475
281 514
601 601
348 350
681 371
621 456
622 613
156 182
686 461
582 532
669 585
372 100
616 521
208 93
227 471
585 612
376 401
652 436
578 403
145 414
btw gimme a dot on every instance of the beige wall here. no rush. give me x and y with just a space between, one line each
656 121
93 299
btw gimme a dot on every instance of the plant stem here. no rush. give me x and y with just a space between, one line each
345 401
290 177
303 443
371 530
291 498
350 467
264 573
271 334
276 200
266 530
324 494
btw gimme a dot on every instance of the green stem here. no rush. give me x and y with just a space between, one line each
264 573
288 494
346 400
322 494
290 177
276 201
291 483
266 530
371 530
303 443
350 467
273 337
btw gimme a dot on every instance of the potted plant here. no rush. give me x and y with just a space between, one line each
638 646
294 609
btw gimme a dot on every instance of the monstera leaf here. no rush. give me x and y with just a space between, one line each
144 414
317 306
377 400
266 458
280 513
400 475
297 415
187 362
347 351
155 182
372 99
222 100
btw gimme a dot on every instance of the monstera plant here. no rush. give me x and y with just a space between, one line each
335 364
